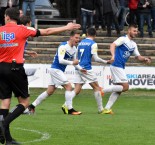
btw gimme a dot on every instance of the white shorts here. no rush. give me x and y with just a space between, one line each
118 75
57 77
81 78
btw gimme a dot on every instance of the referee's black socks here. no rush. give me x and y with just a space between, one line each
4 113
17 111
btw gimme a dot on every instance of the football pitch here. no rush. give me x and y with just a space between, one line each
133 122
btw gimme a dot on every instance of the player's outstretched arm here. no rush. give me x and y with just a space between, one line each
50 31
98 59
146 60
94 53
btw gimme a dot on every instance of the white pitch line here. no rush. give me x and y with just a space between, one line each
45 135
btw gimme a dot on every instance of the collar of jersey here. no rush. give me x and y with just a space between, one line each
10 23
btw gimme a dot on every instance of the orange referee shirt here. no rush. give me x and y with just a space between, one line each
12 41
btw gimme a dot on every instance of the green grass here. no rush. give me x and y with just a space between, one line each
132 123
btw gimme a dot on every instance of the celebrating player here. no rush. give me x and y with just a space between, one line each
121 50
65 55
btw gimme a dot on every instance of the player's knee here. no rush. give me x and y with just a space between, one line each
125 88
5 104
96 88
68 87
24 103
50 92
77 92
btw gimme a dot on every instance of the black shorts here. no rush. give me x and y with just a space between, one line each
13 81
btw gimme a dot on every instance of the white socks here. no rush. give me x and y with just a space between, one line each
113 97
40 98
115 88
98 98
69 95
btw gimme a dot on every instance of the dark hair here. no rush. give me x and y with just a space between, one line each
72 33
133 26
91 32
25 20
13 13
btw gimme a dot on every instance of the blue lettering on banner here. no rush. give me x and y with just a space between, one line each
131 76
140 76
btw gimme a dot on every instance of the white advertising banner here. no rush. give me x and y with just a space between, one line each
139 77
39 76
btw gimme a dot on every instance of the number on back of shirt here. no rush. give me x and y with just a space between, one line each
81 53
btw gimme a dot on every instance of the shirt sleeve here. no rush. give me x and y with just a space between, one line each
98 59
94 48
136 52
61 55
119 41
28 31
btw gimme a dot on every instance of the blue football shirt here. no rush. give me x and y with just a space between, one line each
67 52
124 49
86 48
